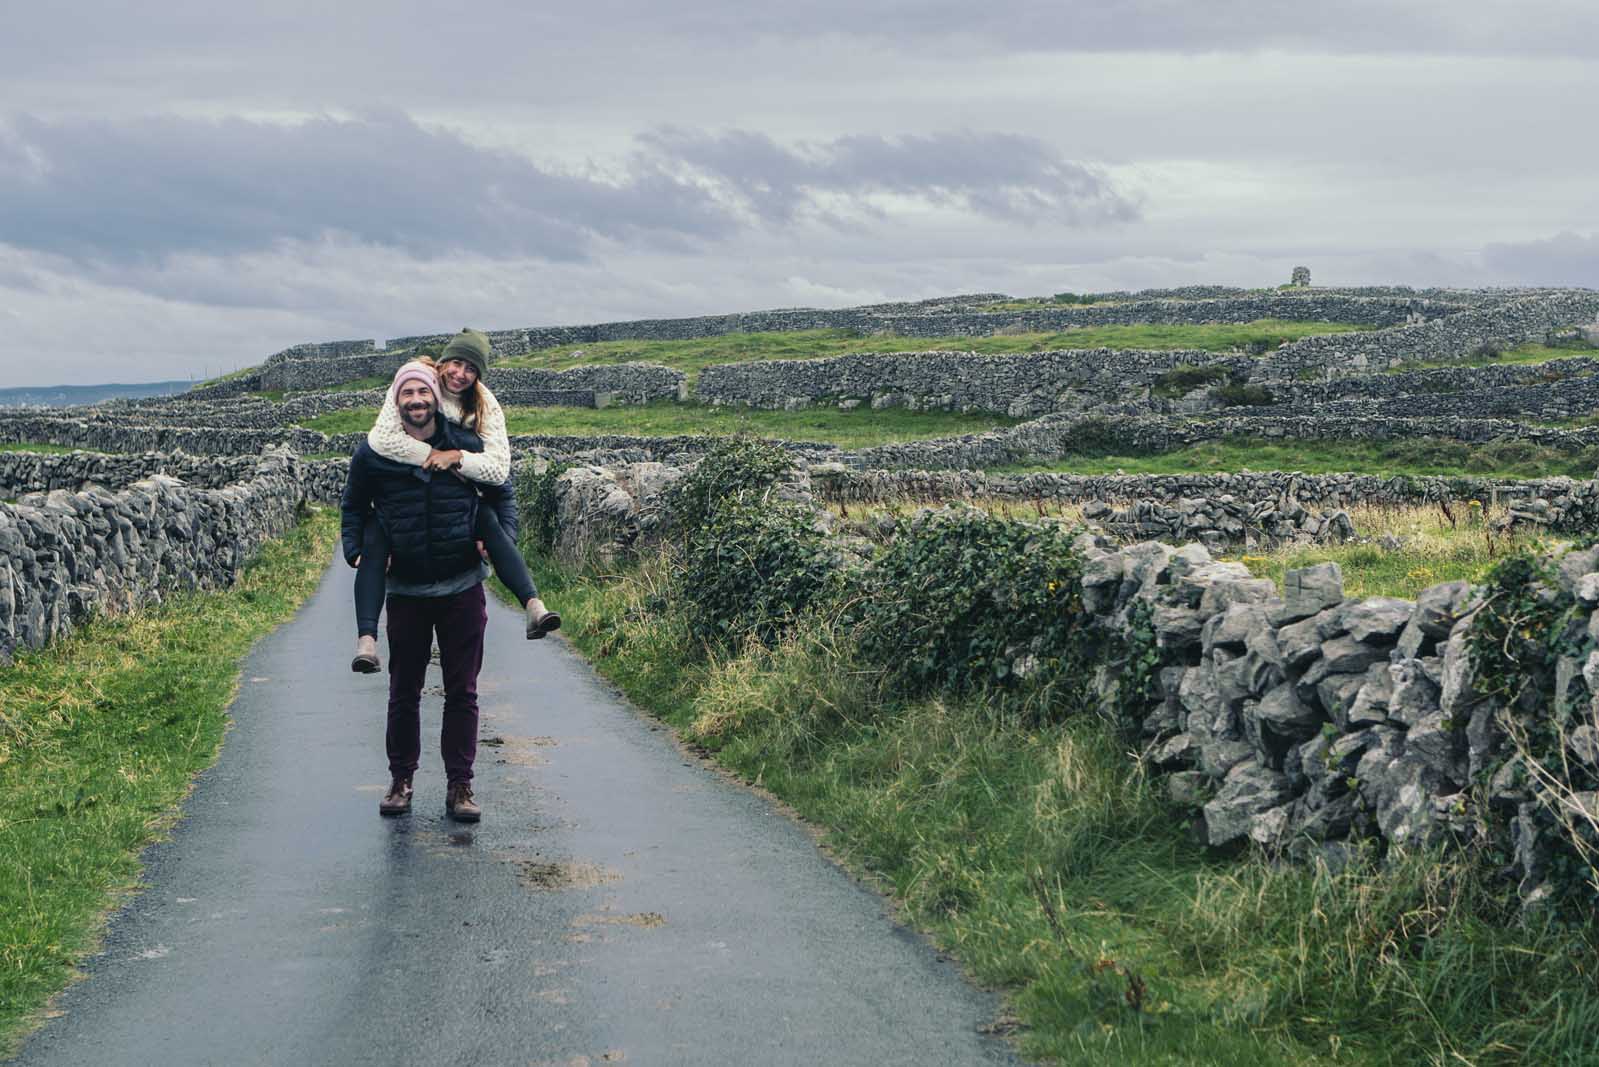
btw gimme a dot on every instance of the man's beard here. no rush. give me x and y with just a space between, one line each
418 415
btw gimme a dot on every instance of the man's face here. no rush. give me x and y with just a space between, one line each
457 376
416 404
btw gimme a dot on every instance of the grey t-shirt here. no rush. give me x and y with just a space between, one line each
458 583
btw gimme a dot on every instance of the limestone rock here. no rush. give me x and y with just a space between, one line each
1308 590
1247 791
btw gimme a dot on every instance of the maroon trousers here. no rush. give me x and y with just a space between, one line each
413 621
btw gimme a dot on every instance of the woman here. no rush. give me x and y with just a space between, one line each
464 400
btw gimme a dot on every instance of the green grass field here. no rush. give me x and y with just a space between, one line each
849 429
692 356
26 446
100 735
1531 352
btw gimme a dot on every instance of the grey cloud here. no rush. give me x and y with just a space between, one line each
1004 176
143 188
1567 258
124 196
404 35
1475 27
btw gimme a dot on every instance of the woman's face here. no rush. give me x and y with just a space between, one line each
457 376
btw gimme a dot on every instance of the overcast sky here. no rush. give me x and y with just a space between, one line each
186 187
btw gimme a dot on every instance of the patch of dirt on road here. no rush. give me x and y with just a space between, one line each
614 1055
646 919
521 751
572 874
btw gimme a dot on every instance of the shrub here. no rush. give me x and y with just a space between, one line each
1245 396
752 568
1527 624
964 601
1184 379
1503 453
535 504
1096 436
733 465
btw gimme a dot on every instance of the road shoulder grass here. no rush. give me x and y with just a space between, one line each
101 734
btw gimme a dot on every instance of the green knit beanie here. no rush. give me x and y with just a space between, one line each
469 345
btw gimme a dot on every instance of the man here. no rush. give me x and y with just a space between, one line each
435 587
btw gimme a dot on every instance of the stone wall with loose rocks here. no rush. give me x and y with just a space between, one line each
1456 336
68 554
1052 436
109 434
1303 721
1222 521
836 483
624 383
36 472
1039 440
1028 384
259 413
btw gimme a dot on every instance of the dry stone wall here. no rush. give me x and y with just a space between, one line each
1018 385
66 555
1042 439
34 472
1037 383
633 383
1053 436
1221 521
107 434
1450 337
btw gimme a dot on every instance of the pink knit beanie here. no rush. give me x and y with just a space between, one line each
417 372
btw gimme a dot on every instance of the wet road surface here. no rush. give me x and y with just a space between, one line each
619 902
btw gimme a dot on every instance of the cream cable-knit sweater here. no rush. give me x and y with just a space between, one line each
490 466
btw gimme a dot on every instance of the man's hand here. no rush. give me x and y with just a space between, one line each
356 562
442 461
482 551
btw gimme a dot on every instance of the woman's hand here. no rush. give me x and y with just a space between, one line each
442 461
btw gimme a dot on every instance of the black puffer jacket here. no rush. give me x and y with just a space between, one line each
429 516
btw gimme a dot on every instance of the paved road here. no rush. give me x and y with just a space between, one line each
619 901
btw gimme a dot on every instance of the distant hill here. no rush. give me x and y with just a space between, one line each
63 395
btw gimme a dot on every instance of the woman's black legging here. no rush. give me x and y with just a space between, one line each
371 575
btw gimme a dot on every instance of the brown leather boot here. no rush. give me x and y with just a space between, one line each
540 620
458 803
397 801
366 655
